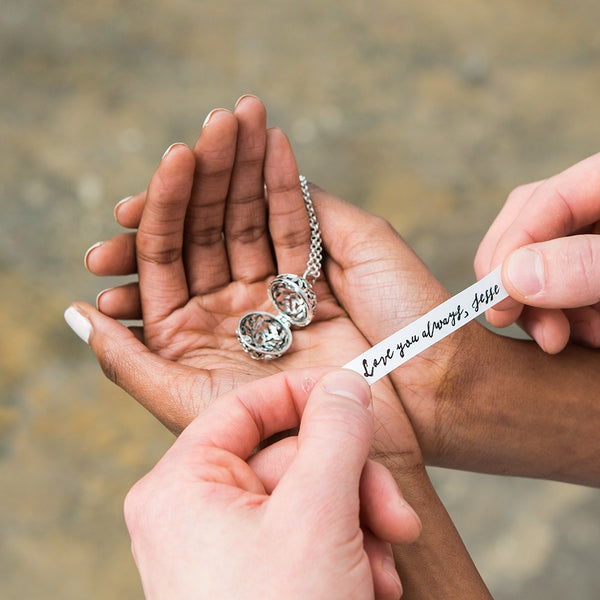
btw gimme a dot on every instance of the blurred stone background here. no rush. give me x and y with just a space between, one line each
428 113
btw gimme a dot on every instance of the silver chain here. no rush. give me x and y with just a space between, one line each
315 255
267 336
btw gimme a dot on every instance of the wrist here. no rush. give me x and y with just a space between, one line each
469 367
490 412
437 390
437 565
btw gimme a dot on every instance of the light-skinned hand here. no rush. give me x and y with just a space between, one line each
207 522
546 238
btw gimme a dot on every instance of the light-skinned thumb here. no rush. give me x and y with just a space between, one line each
333 443
560 273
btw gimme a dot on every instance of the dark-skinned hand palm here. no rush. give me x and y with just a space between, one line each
209 238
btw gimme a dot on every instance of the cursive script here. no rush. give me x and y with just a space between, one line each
486 298
429 329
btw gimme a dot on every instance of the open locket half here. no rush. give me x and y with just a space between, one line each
267 336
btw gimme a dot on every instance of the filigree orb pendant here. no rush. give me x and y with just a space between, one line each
267 336
293 297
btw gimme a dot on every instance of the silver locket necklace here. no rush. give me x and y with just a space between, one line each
267 336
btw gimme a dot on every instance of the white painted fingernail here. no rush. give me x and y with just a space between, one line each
78 323
100 296
88 252
171 148
242 98
119 204
210 114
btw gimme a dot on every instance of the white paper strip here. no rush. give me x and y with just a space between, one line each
429 329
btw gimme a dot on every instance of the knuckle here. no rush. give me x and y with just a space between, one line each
564 204
253 158
109 364
158 252
586 266
209 236
479 263
116 359
285 184
135 500
294 232
254 202
518 193
218 164
247 234
374 228
148 501
379 223
380 228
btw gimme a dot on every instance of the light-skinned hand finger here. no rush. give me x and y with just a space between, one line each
548 327
333 444
386 581
562 205
506 312
512 207
383 509
266 406
585 325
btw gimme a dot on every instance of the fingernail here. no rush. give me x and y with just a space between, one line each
525 271
348 385
119 204
242 97
409 509
88 252
78 323
100 296
210 114
551 344
389 566
171 148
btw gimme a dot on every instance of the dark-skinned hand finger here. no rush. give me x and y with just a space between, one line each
159 241
122 302
146 376
114 257
128 212
205 254
288 219
246 235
